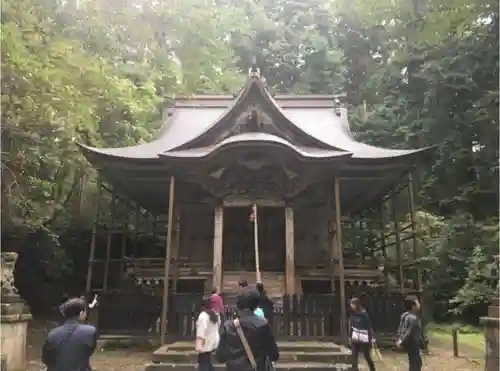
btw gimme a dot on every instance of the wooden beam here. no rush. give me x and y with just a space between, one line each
129 203
411 196
333 255
242 202
109 241
290 288
176 246
168 252
384 247
218 238
136 232
258 276
124 248
398 243
90 266
338 234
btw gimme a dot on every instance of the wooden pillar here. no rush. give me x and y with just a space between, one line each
334 253
136 231
338 235
413 219
124 244
95 225
290 251
397 234
384 248
168 252
110 230
218 233
175 248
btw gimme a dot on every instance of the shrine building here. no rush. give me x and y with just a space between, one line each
254 186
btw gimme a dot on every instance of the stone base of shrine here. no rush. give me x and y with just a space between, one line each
491 337
13 331
294 355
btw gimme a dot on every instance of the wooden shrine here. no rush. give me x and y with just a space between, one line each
336 217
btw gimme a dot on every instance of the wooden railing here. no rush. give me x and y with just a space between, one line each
304 317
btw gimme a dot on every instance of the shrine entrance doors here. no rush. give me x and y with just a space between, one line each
238 239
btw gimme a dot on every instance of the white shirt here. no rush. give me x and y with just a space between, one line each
208 331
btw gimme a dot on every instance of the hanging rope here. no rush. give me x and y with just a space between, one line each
253 218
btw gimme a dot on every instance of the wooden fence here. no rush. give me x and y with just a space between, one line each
305 317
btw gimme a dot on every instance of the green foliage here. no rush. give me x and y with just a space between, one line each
415 73
480 284
87 73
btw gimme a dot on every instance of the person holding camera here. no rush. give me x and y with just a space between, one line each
410 334
70 346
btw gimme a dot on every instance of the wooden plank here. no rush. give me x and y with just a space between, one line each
168 252
338 234
290 251
218 239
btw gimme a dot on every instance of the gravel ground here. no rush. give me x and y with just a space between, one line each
440 359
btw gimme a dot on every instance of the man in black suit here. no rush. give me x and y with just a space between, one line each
257 333
70 346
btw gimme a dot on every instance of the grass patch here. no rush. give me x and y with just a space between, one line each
468 336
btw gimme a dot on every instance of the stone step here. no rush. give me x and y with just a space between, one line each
284 346
279 366
285 356
274 283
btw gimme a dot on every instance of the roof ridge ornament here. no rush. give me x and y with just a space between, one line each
337 105
254 71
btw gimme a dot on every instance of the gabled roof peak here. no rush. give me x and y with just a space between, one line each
254 70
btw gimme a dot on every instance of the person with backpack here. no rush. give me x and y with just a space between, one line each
361 335
247 343
266 305
207 335
70 345
410 334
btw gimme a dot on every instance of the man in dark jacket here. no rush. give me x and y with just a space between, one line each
265 303
69 347
410 336
257 332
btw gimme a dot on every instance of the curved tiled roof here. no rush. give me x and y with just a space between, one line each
311 128
311 116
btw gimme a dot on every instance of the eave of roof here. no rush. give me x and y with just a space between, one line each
314 117
257 139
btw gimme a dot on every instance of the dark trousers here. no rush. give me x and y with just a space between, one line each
205 362
414 358
365 349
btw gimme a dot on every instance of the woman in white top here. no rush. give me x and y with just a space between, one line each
207 335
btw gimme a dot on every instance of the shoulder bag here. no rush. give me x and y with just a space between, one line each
244 341
269 365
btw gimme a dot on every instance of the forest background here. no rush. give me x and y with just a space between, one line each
416 73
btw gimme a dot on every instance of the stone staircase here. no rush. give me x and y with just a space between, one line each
274 283
294 356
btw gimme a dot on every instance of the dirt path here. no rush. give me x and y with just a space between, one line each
440 359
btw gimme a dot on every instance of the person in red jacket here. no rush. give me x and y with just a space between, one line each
217 303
